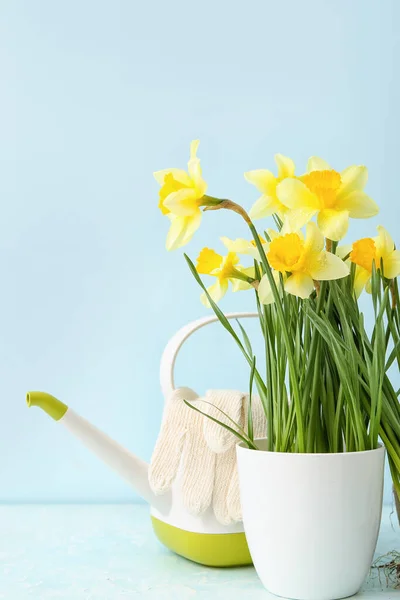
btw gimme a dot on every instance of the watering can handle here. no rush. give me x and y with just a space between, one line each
170 353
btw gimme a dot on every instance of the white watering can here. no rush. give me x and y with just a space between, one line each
200 538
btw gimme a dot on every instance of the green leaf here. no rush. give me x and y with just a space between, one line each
246 339
238 432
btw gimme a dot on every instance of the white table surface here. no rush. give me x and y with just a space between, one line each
106 552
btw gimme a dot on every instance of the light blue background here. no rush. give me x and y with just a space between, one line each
95 96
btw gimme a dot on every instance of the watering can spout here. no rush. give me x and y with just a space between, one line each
53 407
133 469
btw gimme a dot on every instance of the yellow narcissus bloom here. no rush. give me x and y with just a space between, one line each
226 269
331 195
367 251
180 199
304 259
266 183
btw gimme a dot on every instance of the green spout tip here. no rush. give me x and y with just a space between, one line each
53 407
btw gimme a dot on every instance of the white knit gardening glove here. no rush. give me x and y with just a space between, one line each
181 445
203 450
226 497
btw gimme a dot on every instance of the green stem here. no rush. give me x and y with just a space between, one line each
315 405
285 333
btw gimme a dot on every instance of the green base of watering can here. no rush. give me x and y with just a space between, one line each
209 549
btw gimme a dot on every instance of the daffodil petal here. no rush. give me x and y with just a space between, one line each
361 279
274 234
194 169
314 241
286 166
299 284
198 182
240 245
391 265
182 230
216 291
253 251
177 232
383 242
333 223
297 218
182 203
359 205
328 266
354 179
343 251
264 291
264 180
317 164
263 207
178 174
194 146
239 285
191 226
295 194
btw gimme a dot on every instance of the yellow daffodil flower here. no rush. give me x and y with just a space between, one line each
181 196
266 183
242 246
367 251
304 259
226 269
331 195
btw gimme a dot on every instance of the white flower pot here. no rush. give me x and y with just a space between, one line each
311 520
